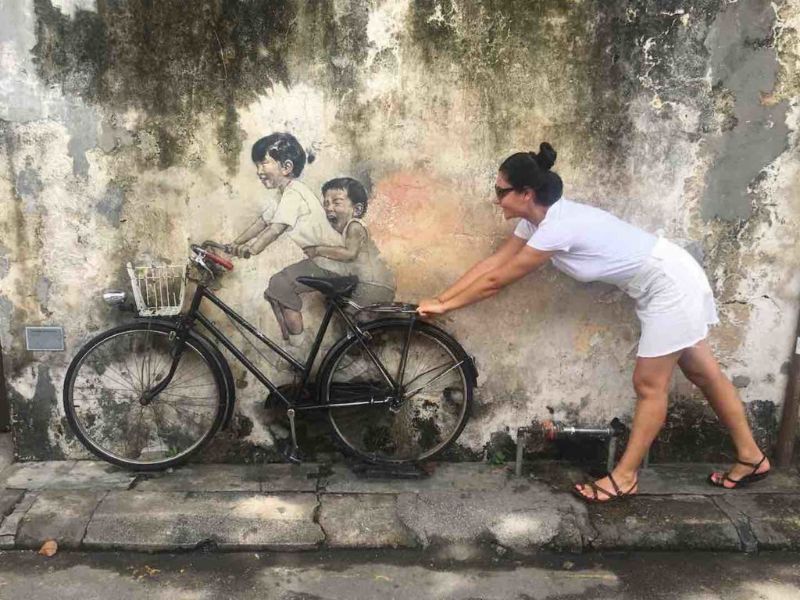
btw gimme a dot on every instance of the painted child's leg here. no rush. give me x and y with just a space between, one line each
293 320
278 312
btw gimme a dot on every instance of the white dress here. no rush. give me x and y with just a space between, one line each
674 301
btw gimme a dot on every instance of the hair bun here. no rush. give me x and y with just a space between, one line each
310 155
546 157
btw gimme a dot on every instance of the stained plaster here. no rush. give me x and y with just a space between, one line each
133 125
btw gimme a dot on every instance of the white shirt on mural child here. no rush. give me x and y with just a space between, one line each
301 211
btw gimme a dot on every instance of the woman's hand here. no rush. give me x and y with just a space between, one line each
311 251
431 306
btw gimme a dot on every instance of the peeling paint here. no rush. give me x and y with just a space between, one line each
744 66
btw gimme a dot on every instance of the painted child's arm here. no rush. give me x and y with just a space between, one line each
248 234
356 234
271 233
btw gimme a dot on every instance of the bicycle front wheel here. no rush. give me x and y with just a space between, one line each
433 407
107 407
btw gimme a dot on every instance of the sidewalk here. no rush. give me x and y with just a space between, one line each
94 506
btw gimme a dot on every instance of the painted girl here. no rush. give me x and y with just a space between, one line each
279 160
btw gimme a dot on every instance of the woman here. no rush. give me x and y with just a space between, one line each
674 303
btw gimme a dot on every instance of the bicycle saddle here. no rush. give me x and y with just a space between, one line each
331 286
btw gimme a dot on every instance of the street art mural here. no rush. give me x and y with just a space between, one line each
135 124
332 233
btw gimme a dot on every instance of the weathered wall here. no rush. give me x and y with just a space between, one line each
125 131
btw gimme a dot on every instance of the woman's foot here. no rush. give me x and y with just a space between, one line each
744 470
611 487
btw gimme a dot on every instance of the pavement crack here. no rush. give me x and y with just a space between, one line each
741 523
315 518
91 516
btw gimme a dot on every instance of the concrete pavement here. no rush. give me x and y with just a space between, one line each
458 507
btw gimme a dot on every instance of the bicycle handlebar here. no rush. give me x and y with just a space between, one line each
201 250
227 248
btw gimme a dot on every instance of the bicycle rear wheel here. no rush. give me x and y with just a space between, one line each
106 407
437 383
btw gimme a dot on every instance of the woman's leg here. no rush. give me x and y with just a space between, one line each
651 380
703 370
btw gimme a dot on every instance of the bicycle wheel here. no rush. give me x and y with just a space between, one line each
437 392
105 406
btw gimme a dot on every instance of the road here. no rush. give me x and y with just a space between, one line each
461 574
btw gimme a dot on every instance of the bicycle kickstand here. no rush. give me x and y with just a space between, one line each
293 454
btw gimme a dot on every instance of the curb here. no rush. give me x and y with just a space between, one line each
89 506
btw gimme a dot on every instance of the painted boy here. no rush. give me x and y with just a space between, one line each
345 204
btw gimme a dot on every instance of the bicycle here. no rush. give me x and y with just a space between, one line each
149 394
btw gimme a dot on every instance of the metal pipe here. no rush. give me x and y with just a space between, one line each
787 434
522 434
551 431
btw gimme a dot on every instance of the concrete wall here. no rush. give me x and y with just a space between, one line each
126 127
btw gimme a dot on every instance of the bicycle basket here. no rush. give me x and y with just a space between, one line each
158 290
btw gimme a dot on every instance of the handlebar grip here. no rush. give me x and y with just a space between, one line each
223 262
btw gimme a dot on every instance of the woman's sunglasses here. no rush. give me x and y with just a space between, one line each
501 192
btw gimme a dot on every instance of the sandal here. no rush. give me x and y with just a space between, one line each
746 480
595 499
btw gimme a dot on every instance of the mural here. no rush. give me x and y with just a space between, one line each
332 233
134 123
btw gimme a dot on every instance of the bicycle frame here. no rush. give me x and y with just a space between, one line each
193 315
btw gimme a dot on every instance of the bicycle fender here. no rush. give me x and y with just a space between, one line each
230 392
469 361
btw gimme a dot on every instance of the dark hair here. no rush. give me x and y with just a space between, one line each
282 147
355 190
532 170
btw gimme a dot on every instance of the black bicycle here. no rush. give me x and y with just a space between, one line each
149 394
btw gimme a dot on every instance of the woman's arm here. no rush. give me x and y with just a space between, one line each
502 255
356 234
489 283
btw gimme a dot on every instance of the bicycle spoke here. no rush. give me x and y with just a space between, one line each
129 377
420 424
160 399
416 391
181 408
430 371
123 379
106 389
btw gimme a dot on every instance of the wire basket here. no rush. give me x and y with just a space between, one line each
158 290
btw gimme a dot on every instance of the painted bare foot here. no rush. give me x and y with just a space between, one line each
744 471
612 487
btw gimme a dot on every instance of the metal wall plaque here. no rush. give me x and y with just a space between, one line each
40 339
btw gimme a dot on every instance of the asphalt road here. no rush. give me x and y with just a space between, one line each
461 574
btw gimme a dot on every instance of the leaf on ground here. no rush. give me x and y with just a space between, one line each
49 548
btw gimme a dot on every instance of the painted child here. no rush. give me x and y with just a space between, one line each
279 160
345 204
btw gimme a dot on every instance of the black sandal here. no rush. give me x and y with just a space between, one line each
746 480
595 498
